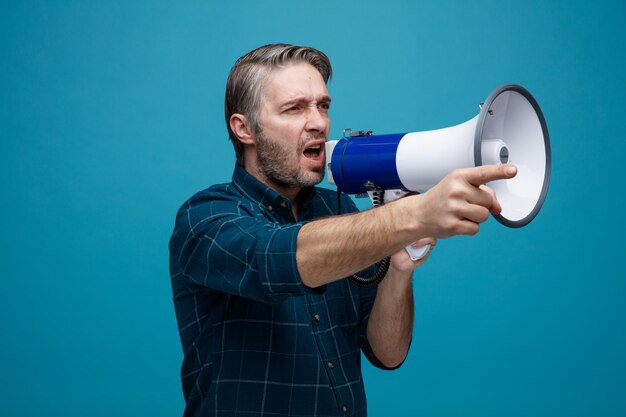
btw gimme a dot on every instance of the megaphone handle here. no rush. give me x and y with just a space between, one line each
379 197
417 252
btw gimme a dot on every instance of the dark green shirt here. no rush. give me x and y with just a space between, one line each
257 341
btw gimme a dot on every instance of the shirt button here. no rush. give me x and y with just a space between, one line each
330 365
317 317
345 409
283 204
270 208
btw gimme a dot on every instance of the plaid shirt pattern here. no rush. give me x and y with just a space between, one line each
256 341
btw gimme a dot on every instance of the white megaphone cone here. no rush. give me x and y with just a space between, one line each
510 128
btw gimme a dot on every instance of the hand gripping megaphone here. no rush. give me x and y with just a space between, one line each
510 128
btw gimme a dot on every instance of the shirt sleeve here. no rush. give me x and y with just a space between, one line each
219 244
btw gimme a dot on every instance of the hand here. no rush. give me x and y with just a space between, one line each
401 261
461 201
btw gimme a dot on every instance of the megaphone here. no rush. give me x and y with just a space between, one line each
510 128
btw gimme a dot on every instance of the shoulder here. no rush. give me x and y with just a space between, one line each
222 196
212 203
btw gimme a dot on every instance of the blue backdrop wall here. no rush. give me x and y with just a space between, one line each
111 116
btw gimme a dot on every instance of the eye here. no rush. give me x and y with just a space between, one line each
324 106
293 109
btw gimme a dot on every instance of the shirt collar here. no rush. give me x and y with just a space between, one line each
255 190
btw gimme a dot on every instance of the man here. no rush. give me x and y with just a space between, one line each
268 324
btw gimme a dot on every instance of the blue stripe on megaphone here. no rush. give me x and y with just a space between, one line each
357 160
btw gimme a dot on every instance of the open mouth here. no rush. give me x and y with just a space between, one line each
313 152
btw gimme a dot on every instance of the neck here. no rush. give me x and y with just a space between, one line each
289 191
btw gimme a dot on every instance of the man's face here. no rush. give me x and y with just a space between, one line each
294 127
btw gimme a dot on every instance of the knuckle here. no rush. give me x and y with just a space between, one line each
450 224
457 174
459 229
456 207
483 173
457 189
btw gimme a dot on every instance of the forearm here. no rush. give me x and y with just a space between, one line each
390 324
335 247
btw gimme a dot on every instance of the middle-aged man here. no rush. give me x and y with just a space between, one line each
268 323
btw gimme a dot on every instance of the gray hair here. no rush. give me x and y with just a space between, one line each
244 88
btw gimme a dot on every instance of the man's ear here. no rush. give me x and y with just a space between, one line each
240 126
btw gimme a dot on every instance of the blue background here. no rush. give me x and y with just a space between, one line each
111 116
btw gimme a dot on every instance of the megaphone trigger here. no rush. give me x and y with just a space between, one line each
417 252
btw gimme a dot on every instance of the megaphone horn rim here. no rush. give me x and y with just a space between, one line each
485 109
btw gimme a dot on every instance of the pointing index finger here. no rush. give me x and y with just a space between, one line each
483 174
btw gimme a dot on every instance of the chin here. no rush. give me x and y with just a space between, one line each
311 179
317 177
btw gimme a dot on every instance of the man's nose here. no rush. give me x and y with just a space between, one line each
316 119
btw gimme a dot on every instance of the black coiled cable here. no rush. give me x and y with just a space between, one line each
378 199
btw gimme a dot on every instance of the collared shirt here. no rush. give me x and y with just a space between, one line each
256 341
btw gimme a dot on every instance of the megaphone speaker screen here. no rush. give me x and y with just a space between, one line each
512 116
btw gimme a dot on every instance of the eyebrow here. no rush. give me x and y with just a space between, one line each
300 99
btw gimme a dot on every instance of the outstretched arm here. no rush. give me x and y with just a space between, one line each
335 247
